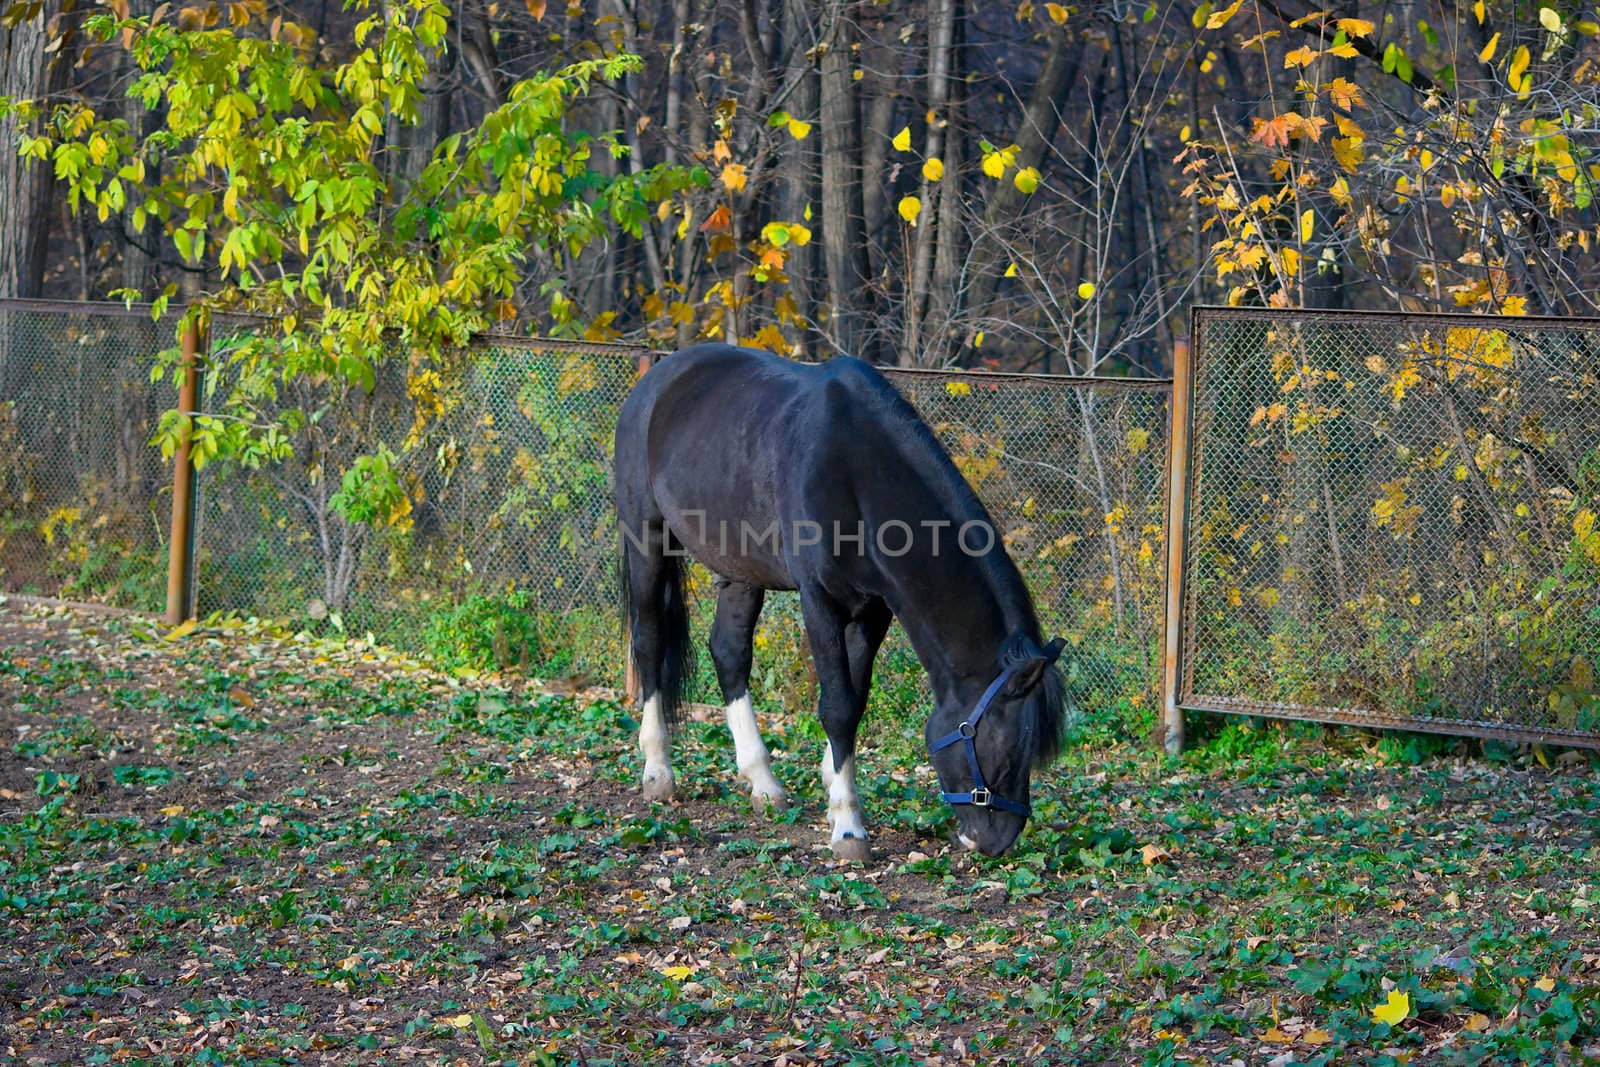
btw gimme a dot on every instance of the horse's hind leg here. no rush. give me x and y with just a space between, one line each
646 573
732 640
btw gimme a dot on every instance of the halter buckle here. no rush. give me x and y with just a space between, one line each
967 730
980 798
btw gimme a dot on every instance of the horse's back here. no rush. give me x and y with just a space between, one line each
720 441
739 391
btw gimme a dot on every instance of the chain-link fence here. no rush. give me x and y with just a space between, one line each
1074 472
1392 521
84 500
502 552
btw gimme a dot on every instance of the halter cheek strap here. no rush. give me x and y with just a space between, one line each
980 796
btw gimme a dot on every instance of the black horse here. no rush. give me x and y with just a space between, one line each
822 479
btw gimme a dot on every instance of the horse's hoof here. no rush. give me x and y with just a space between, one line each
770 801
659 787
854 849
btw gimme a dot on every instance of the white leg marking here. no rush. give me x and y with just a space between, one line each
750 754
658 780
827 765
844 806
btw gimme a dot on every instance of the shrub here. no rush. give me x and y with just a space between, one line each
484 633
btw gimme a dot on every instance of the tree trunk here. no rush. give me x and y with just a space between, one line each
1050 95
28 72
941 41
689 245
798 166
843 239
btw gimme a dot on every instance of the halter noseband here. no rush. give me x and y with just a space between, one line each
980 796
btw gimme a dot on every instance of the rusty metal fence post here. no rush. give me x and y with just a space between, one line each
1177 511
180 547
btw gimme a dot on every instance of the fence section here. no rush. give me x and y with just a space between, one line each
1392 522
503 554
1073 471
84 499
499 553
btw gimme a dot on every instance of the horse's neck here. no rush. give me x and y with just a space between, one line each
957 608
959 627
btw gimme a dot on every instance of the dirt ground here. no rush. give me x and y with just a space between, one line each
233 844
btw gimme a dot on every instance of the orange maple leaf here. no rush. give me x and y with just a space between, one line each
719 220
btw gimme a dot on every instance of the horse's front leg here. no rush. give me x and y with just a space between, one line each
841 701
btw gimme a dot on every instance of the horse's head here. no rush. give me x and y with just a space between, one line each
985 744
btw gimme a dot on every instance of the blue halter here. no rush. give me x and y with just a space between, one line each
980 796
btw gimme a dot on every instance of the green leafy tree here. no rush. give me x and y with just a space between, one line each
294 183
269 169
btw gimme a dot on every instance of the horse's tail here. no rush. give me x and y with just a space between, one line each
672 623
677 647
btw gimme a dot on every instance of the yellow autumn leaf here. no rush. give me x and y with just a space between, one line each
902 140
1549 19
1057 13
958 388
679 972
1308 221
1085 290
994 165
1303 56
460 1022
1479 11
933 169
1345 94
1026 179
800 235
181 630
1545 984
1517 76
1137 439
799 129
1583 524
1394 1010
1348 153
1011 270
734 177
1220 19
172 810
910 208
1354 27
1487 52
1316 1037
1476 1023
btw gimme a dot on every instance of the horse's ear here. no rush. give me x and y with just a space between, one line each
1030 666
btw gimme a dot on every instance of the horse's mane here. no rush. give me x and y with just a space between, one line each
1047 703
